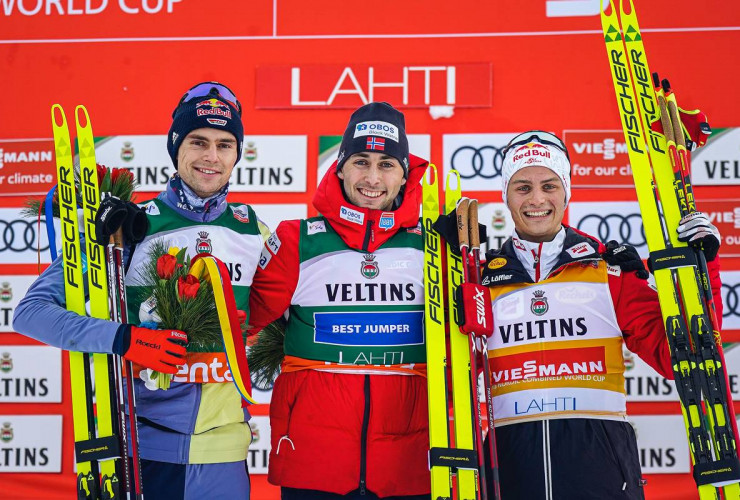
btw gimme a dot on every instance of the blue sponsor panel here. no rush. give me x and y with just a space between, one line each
370 328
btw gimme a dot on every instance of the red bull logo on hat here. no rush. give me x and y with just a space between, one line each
531 149
213 107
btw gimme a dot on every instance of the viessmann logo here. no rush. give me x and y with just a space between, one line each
608 148
23 156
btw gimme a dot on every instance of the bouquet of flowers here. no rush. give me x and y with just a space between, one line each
119 182
179 296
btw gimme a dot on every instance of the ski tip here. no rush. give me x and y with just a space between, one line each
666 85
83 118
453 176
627 7
430 176
57 115
656 81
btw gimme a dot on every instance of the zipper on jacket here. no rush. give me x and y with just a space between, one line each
368 234
537 263
363 437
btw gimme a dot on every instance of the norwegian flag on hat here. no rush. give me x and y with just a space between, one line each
375 143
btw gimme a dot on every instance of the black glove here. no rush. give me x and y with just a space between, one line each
446 226
136 224
701 234
111 215
626 257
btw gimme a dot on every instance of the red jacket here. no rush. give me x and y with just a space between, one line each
317 417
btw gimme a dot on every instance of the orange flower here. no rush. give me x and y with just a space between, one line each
166 265
187 287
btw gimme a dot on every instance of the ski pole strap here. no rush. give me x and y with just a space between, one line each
671 258
719 471
223 294
49 214
455 458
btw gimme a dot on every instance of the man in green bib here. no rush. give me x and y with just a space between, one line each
348 413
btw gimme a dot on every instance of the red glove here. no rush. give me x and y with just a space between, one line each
160 350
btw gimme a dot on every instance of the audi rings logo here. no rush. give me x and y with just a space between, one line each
623 228
484 161
730 300
20 235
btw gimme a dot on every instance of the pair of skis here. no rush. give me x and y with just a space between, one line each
97 395
466 459
660 157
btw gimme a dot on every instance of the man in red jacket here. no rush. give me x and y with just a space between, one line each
349 410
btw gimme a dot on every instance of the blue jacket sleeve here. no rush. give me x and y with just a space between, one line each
42 315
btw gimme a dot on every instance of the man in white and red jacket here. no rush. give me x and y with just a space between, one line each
348 414
564 304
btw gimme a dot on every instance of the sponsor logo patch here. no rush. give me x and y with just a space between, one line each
273 243
488 280
613 270
265 257
151 208
216 121
497 263
580 250
378 128
415 230
241 213
316 227
387 220
351 215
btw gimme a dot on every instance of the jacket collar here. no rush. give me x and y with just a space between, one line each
179 197
363 228
504 267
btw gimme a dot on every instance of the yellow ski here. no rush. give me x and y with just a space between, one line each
674 265
434 325
98 292
79 363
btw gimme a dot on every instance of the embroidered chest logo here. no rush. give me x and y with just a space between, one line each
203 244
539 303
369 267
6 362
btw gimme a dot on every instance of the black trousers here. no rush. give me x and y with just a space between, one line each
568 459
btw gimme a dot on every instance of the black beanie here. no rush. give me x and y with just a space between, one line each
204 112
376 127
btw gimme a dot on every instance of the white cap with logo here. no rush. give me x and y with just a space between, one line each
536 149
